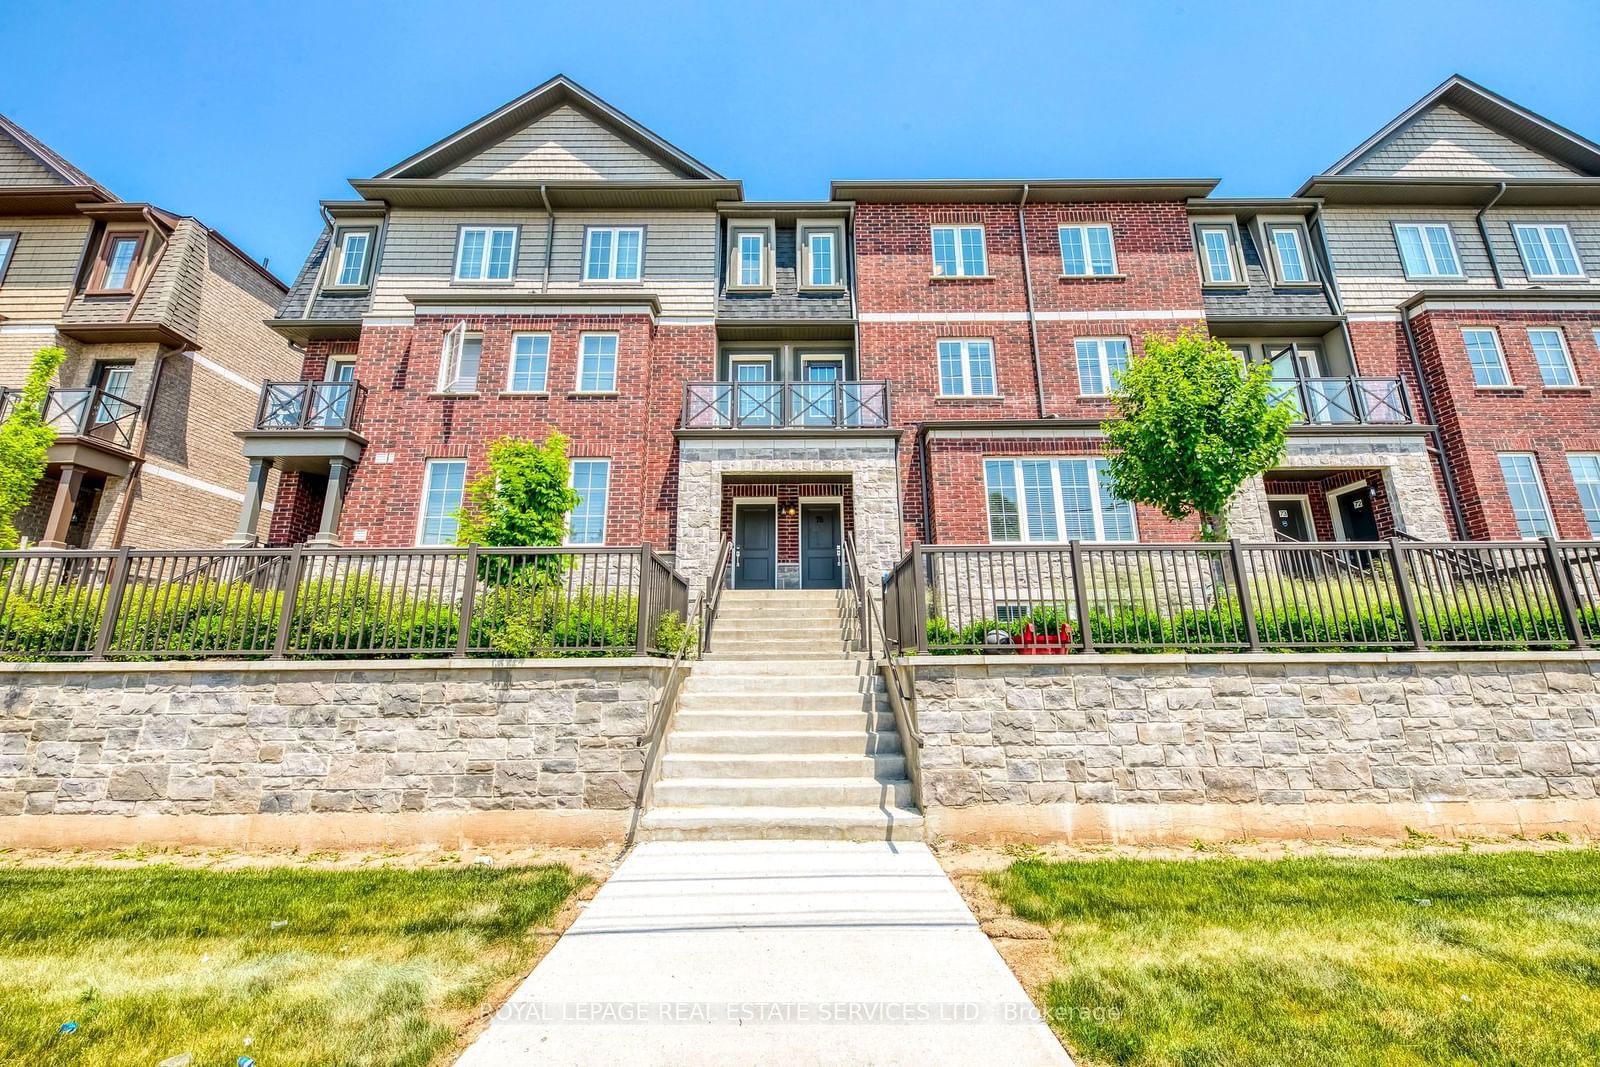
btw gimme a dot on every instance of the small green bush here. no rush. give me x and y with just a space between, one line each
673 634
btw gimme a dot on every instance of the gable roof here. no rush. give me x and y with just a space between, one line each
557 92
1495 112
54 163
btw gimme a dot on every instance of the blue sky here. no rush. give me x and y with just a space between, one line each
247 114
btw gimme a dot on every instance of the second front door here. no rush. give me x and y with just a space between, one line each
821 554
755 546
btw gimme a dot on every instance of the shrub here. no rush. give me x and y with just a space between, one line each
673 634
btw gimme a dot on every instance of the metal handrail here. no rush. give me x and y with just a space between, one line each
87 411
853 574
715 581
786 405
306 405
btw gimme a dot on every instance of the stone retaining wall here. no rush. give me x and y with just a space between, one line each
1179 744
442 738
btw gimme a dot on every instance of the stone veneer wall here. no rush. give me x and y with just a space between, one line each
1111 747
237 753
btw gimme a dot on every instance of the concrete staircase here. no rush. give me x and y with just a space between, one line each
782 732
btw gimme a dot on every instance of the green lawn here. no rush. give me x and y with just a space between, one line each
367 967
1458 959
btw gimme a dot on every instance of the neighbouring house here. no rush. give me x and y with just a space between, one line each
162 319
929 361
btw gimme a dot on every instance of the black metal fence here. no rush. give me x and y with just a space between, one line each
1367 596
331 603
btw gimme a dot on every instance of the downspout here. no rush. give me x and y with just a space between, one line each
1445 472
1027 289
926 479
1483 232
549 236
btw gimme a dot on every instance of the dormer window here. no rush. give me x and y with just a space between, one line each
8 244
820 246
613 254
1218 244
354 258
486 253
1291 265
749 259
119 261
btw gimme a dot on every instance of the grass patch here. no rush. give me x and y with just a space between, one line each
1487 958
348 967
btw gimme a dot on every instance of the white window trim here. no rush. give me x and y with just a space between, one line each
340 235
1499 350
1572 470
511 364
488 230
450 356
1566 353
1100 353
966 367
1088 258
577 386
422 503
1059 500
1302 239
611 263
1538 228
605 515
740 239
1538 482
803 255
962 266
1230 231
1421 225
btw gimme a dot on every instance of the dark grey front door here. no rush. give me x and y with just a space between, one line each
755 543
1289 519
821 558
1355 511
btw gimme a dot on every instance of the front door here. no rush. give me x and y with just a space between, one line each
755 547
821 552
1289 520
1355 512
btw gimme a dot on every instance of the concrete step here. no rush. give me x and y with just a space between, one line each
817 824
754 671
745 653
782 792
863 701
696 720
759 689
798 761
777 647
727 628
757 742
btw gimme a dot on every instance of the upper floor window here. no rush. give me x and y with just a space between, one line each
1101 362
8 245
1528 503
1585 468
354 257
1087 251
591 479
1547 250
752 259
597 363
1054 500
486 253
1219 253
458 363
1550 353
1427 250
530 362
819 257
966 368
958 252
613 254
443 482
1483 353
119 257
1290 262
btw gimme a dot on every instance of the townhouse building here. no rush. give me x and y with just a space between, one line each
930 360
162 319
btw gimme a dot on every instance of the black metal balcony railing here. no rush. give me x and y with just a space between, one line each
1348 401
786 405
310 406
84 412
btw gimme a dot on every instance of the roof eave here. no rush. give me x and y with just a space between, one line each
1010 190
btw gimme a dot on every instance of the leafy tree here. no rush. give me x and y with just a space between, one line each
521 501
24 440
1192 424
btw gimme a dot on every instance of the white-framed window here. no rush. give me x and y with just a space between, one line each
1529 505
613 254
1290 261
1087 250
530 363
1219 260
966 367
750 258
958 252
1427 250
1547 250
1100 361
1485 356
355 257
443 482
1550 353
1585 468
486 253
591 478
822 258
1054 500
458 363
597 362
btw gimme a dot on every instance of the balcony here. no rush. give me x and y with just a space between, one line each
1347 401
786 405
88 413
310 406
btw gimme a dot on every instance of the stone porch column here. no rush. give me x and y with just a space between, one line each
67 486
250 510
332 502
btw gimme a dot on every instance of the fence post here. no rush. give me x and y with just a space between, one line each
1408 603
1080 596
919 589
642 633
116 586
291 592
1247 609
469 595
1564 596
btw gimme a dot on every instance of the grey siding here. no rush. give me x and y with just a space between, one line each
1444 143
1583 223
561 144
1261 298
786 301
18 167
1367 261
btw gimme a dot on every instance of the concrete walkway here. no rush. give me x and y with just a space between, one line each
770 953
